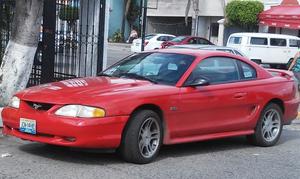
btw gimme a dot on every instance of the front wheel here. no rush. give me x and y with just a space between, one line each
142 138
269 127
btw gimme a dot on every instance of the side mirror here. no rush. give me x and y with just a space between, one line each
198 82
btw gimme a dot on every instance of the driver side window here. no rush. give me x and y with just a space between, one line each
216 70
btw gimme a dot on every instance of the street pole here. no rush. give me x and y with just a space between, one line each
48 47
144 15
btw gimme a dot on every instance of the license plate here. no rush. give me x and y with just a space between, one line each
28 126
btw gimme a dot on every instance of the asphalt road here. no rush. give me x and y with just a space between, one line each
226 158
116 52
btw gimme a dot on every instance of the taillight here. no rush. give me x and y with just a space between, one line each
146 43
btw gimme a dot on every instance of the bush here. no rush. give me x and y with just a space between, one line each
69 13
243 13
117 37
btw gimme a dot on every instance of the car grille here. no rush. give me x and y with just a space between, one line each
39 106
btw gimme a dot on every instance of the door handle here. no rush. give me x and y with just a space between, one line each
239 95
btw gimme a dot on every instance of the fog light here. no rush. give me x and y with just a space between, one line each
70 139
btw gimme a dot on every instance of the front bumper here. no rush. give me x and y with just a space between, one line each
73 132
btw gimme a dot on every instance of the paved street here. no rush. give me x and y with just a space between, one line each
226 158
116 52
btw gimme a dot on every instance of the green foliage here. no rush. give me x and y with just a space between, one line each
69 13
243 13
117 37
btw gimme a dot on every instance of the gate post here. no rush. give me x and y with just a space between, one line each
48 47
102 24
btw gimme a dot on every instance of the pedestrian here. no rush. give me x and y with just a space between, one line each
295 66
133 35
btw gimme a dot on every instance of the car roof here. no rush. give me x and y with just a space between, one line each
191 46
198 53
265 35
154 35
195 46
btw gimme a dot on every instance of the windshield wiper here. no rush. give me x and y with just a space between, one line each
136 76
104 74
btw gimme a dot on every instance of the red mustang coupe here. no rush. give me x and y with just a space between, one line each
182 40
162 97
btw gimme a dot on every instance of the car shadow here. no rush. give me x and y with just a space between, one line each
104 157
72 155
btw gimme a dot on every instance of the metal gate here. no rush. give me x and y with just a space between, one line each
71 39
6 15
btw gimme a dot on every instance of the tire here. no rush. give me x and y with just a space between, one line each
137 145
268 129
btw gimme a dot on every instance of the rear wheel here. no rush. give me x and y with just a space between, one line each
142 138
269 127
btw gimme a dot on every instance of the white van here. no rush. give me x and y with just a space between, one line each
263 48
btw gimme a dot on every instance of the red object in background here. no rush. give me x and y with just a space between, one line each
189 113
181 40
286 15
146 43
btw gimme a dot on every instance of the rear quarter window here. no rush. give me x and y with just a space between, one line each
235 40
248 72
294 43
278 42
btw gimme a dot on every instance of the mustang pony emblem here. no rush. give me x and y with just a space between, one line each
36 106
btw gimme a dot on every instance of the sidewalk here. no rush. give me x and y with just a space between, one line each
116 45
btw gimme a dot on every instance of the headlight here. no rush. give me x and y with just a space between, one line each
14 102
80 111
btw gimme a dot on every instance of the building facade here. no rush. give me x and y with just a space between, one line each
168 16
116 13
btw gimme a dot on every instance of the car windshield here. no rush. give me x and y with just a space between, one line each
149 36
178 39
158 68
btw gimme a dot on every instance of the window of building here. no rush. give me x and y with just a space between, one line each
214 27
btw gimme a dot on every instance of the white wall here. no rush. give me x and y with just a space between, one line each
176 8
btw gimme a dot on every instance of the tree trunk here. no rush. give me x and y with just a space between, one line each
125 8
19 54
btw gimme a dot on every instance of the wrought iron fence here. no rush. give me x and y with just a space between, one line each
6 16
76 40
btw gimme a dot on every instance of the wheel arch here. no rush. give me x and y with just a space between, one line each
279 102
149 106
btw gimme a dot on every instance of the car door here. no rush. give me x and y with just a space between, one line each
192 40
224 105
257 48
156 44
278 51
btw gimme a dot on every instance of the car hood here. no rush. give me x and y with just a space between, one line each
76 90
